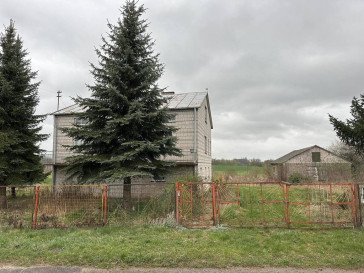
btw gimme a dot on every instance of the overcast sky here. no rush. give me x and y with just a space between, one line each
273 69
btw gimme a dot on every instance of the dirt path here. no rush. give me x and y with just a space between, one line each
61 269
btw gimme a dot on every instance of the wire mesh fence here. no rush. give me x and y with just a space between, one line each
132 204
17 206
190 204
63 206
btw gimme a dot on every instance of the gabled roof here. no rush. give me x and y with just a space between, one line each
175 101
73 109
294 153
291 155
186 100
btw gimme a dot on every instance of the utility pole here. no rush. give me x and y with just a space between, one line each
58 96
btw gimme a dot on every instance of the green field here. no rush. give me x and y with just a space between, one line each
236 170
153 246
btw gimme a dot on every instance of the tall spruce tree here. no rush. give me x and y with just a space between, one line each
351 132
126 134
19 126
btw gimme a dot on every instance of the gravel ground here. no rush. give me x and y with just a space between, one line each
62 269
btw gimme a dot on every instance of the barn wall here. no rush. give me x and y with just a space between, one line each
324 172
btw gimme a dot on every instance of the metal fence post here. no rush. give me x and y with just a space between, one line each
34 224
105 204
356 205
359 204
287 205
214 204
178 193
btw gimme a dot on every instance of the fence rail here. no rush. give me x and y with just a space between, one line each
268 204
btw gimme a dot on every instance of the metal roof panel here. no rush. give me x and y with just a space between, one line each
177 101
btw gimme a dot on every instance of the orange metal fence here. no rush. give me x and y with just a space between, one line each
190 204
313 205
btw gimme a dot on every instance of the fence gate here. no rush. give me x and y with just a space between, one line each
251 204
194 204
269 204
323 205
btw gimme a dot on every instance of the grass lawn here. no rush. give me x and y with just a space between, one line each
151 246
236 170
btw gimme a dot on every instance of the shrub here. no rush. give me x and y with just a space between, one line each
296 178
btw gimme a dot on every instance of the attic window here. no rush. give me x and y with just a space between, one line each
316 157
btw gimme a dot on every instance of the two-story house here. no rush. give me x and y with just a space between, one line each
192 118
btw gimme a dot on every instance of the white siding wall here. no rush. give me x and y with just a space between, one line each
185 124
204 142
62 152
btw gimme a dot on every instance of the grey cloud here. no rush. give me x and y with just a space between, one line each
274 69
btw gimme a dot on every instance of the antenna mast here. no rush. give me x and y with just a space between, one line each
58 96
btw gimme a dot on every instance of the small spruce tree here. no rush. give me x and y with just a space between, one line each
19 126
351 132
126 134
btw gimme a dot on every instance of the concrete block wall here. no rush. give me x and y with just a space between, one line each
178 172
61 178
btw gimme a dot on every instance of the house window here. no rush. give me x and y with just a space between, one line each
80 121
205 145
206 114
172 118
210 146
316 157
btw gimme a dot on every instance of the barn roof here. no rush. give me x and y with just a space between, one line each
291 155
294 153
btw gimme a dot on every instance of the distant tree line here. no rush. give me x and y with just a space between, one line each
239 162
